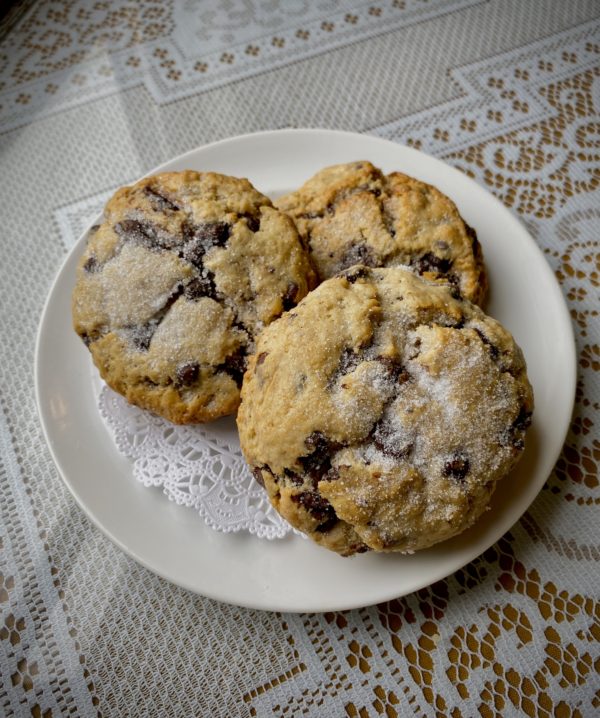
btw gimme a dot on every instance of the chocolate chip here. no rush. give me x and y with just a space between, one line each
517 429
203 286
360 548
235 365
199 238
318 463
328 524
318 507
261 357
257 473
88 339
252 222
212 234
94 228
141 336
159 201
355 274
457 467
187 374
193 252
349 360
429 262
289 298
132 230
493 349
146 234
358 254
311 215
91 265
295 478
386 440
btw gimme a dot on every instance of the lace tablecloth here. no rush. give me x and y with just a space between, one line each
94 94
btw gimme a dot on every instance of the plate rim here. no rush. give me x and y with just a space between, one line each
444 572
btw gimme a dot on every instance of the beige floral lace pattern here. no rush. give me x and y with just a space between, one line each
515 632
72 52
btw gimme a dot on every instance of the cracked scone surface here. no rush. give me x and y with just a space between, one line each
354 214
380 413
174 285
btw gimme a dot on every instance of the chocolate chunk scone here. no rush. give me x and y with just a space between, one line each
380 413
354 214
174 285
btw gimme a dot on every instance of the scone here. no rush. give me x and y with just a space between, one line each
174 285
354 214
380 413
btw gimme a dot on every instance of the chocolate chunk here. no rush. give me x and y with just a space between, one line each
257 473
328 524
187 374
146 234
261 357
252 222
159 201
193 252
355 274
235 365
318 507
360 548
141 336
289 298
94 228
211 234
349 360
457 467
199 238
517 429
295 478
386 440
203 286
358 254
318 463
88 339
429 262
91 265
454 282
493 349
132 230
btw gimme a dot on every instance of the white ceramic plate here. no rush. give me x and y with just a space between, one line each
293 574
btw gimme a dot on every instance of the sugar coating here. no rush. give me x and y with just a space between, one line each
381 412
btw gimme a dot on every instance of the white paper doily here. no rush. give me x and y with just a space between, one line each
199 466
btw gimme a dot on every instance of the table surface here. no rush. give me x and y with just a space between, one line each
93 95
